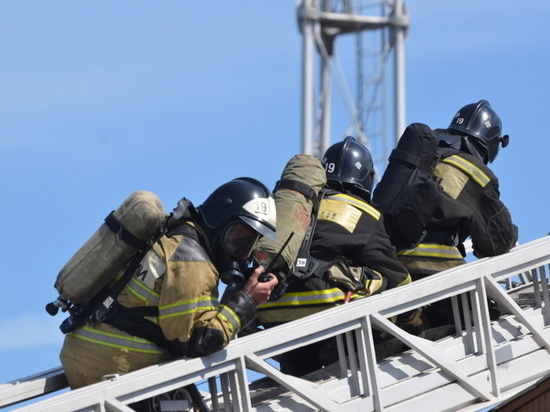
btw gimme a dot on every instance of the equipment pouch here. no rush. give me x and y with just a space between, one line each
358 279
344 276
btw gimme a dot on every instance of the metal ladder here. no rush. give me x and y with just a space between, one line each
485 363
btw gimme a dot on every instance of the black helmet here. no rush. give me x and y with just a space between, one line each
480 121
234 216
243 198
349 164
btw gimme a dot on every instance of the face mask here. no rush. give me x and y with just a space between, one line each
233 246
238 240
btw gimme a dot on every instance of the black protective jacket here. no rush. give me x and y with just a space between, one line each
348 227
470 207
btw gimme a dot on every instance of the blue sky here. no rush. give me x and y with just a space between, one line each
99 99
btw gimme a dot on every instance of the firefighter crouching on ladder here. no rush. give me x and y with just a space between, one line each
470 206
349 231
177 288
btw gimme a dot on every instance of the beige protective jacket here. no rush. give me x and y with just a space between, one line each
177 277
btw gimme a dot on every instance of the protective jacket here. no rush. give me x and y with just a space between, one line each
470 207
170 307
347 226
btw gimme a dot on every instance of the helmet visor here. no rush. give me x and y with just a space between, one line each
264 228
238 240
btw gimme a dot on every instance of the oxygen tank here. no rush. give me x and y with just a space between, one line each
301 181
126 230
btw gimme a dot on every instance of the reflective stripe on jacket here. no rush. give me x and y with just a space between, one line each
433 250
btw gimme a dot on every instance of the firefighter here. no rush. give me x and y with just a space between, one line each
471 205
177 287
349 234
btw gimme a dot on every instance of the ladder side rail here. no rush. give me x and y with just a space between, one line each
160 378
30 387
132 387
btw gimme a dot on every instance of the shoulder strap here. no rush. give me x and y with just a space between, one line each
185 230
305 264
134 265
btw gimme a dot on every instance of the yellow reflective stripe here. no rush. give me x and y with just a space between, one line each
230 317
364 206
407 280
189 306
112 340
469 168
306 298
433 250
142 292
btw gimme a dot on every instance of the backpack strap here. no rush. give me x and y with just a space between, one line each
426 165
115 226
407 157
134 322
298 186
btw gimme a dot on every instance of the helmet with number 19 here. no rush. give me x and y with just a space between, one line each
349 166
235 216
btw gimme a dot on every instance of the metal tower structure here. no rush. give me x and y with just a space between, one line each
373 33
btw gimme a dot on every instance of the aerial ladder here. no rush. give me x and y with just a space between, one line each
478 364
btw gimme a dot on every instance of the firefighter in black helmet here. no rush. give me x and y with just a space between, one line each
471 205
177 287
349 236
